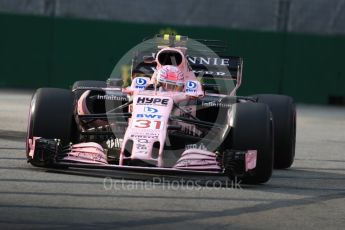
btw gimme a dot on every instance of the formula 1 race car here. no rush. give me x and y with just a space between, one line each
174 114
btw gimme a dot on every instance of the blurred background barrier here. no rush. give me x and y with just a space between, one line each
293 47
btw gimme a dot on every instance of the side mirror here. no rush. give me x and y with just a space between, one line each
149 59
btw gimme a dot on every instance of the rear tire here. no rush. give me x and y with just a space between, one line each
284 119
252 130
51 116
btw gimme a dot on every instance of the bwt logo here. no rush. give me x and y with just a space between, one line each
150 110
152 101
149 116
191 86
140 82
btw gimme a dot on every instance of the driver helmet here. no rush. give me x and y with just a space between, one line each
170 78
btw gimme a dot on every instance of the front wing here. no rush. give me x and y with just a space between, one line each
49 153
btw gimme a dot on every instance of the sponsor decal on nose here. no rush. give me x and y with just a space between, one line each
150 110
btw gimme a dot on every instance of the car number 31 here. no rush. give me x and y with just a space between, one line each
147 124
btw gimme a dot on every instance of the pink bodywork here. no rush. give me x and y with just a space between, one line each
198 159
183 67
250 159
146 128
150 120
31 146
89 152
149 124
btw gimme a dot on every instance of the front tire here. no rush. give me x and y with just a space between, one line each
51 117
252 130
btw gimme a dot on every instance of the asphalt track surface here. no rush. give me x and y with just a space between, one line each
310 195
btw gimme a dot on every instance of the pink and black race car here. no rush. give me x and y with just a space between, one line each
175 115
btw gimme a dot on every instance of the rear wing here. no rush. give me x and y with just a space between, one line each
206 58
210 70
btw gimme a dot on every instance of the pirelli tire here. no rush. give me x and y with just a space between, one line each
284 119
87 83
51 117
252 130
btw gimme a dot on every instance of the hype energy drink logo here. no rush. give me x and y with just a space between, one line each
191 87
152 101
